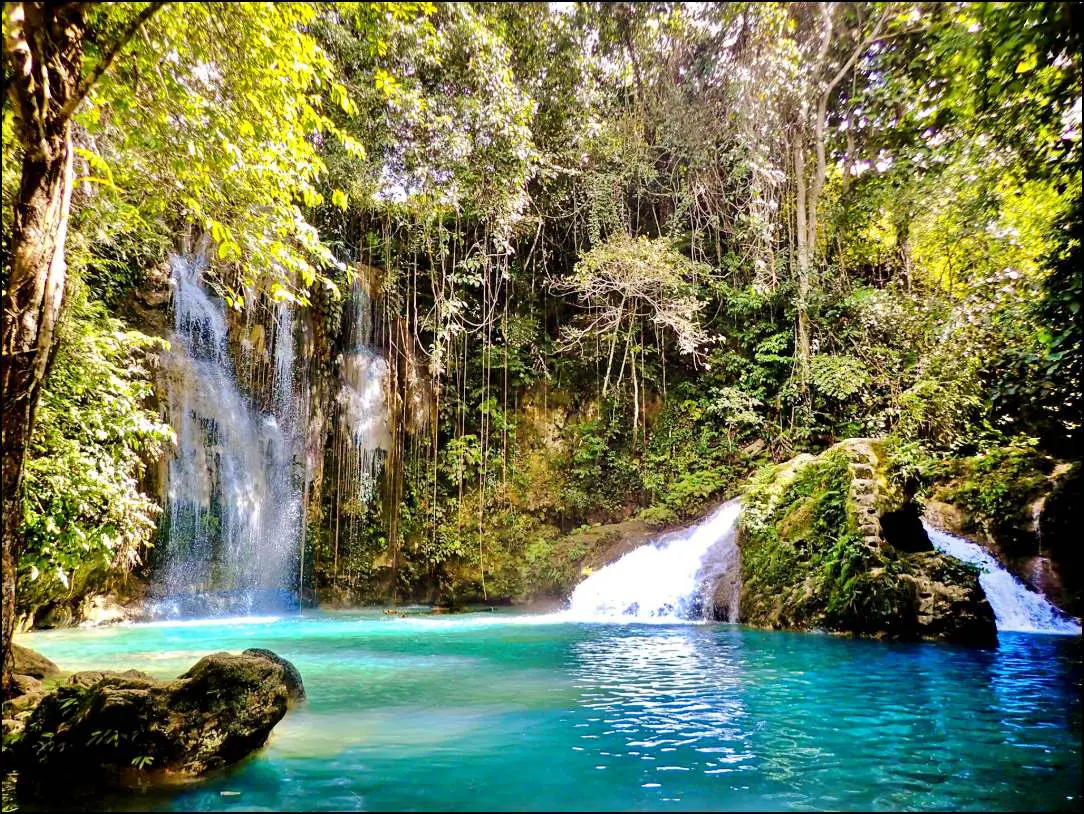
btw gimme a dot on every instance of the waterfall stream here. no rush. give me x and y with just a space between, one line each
234 500
671 579
694 574
1016 607
363 403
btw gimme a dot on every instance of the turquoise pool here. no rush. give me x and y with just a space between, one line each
495 711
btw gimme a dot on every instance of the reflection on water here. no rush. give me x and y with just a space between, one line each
492 711
657 692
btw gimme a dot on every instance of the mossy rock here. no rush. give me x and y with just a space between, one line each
797 523
996 493
1021 505
1060 535
814 557
128 728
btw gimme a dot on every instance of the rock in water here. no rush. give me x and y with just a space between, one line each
292 675
31 663
124 728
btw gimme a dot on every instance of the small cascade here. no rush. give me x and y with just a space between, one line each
234 500
1016 607
363 409
679 577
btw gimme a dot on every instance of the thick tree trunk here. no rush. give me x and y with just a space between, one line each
45 51
35 295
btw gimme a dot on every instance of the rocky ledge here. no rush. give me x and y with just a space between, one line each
103 728
827 542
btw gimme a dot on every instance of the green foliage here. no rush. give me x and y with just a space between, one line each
212 120
688 493
85 509
592 205
633 278
838 377
600 473
1061 317
943 406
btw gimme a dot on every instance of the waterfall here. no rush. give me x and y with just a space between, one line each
362 402
234 500
683 575
1016 607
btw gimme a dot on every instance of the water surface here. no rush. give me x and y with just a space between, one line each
492 711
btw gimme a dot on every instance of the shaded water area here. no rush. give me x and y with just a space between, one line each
493 710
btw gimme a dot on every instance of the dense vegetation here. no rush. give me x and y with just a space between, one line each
622 255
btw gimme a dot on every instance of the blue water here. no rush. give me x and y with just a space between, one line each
490 711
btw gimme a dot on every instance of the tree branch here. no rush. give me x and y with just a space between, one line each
822 112
110 54
858 51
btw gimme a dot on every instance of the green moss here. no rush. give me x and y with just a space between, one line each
804 563
996 491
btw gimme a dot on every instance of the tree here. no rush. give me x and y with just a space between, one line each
212 120
818 78
630 285
45 45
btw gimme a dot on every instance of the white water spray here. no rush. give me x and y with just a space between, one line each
671 579
1016 607
363 403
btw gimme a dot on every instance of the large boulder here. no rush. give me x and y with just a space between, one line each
827 542
31 663
295 687
123 728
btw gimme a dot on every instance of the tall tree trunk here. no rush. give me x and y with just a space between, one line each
806 227
45 48
809 189
903 245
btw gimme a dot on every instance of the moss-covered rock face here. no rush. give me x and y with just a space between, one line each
124 728
1020 505
1060 538
814 555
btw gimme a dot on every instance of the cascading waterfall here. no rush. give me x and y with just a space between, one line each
1016 607
685 575
234 497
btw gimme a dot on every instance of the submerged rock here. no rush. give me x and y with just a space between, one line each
817 553
123 728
